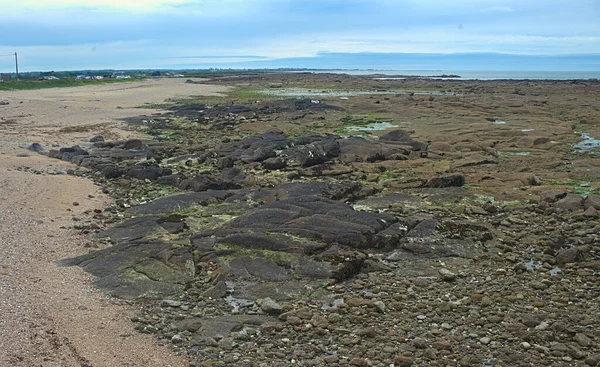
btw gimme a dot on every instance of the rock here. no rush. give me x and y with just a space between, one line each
380 306
217 291
419 343
485 340
525 345
22 155
571 255
133 144
3 103
535 181
269 306
274 163
447 275
591 213
570 202
456 180
403 361
170 303
582 339
178 339
592 201
442 345
35 147
97 139
593 360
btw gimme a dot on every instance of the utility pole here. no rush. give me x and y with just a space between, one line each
17 65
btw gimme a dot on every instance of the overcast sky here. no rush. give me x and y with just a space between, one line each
85 34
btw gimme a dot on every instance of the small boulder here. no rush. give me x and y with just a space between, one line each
456 180
35 147
97 139
571 255
269 306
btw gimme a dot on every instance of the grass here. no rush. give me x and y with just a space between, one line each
61 83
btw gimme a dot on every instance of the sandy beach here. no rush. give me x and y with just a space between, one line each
51 315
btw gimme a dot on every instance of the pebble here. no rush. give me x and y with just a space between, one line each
170 303
485 340
447 275
271 307
525 345
380 306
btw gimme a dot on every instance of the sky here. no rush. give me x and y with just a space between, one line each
162 34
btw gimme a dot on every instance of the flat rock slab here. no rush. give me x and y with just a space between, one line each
147 268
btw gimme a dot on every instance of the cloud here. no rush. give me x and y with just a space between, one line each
138 5
499 9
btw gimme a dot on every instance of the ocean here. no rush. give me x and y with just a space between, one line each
475 75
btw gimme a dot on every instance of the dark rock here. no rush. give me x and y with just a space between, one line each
274 163
571 255
201 183
132 229
134 269
456 180
97 139
151 173
233 178
217 291
180 202
403 137
592 201
133 144
225 162
570 202
35 147
246 267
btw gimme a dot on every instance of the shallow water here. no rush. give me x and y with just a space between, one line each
374 126
518 154
587 145
499 122
304 92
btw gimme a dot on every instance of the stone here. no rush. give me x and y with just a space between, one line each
593 360
170 303
447 275
403 361
35 147
178 339
591 213
570 202
582 339
217 291
419 343
571 255
380 306
535 181
592 200
97 139
269 306
525 345
485 340
133 144
456 180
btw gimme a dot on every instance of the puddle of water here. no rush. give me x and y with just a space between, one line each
304 92
531 265
374 126
527 130
333 305
237 303
499 122
587 145
555 271
517 154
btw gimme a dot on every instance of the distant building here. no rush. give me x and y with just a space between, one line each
5 77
